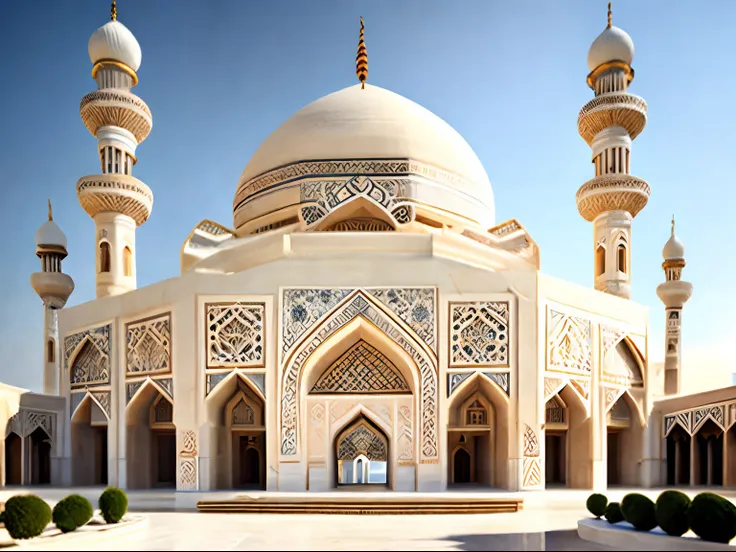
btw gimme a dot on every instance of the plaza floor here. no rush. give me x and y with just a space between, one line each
547 522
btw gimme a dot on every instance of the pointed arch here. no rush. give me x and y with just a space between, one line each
600 260
624 364
104 257
127 261
141 391
357 304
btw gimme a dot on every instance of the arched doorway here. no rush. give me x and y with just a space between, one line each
708 454
568 441
13 459
678 456
624 441
89 444
361 454
150 440
477 437
40 457
236 434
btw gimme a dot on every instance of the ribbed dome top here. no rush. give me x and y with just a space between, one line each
114 41
613 44
373 123
50 234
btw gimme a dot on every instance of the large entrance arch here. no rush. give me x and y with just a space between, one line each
150 437
361 454
89 444
478 434
236 433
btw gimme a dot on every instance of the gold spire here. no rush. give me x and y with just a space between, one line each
673 225
361 60
610 16
114 11
51 216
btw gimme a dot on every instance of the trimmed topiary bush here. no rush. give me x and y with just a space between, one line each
613 513
114 504
712 518
671 512
72 512
596 504
26 516
639 511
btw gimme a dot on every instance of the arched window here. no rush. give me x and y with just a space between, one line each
621 257
600 260
50 356
476 414
127 261
104 257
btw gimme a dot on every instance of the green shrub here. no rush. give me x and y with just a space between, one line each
114 504
72 512
613 512
639 511
596 504
26 516
712 518
671 512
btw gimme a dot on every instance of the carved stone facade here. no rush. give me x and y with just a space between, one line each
722 415
89 353
532 465
26 422
568 343
235 334
148 347
479 334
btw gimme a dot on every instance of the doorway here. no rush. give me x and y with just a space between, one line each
13 460
250 463
166 464
555 464
461 466
613 456
40 457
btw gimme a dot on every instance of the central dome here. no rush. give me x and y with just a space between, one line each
371 124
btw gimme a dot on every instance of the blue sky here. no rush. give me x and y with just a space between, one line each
220 75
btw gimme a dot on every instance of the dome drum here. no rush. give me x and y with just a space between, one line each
118 193
117 108
614 109
612 192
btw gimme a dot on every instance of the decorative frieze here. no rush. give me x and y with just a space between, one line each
479 333
25 422
722 415
89 353
235 334
148 347
103 400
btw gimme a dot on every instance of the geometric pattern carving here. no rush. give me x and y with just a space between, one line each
214 379
235 334
149 345
362 369
132 389
568 343
692 420
33 420
610 336
453 380
551 385
621 367
732 416
531 443
92 362
502 379
188 474
405 436
188 443
167 384
362 439
479 334
532 472
259 380
683 419
303 308
103 399
359 305
715 413
612 395
317 432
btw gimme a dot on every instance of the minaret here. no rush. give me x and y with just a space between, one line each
609 123
54 287
116 200
674 293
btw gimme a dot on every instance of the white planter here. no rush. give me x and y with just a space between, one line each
622 536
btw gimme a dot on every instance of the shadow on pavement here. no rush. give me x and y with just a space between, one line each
551 540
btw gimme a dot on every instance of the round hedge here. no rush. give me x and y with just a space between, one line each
613 513
26 516
712 518
113 504
639 511
72 512
671 512
596 504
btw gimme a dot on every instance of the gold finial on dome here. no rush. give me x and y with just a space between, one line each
51 216
114 11
361 60
610 16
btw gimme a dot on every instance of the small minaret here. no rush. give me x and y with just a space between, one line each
609 123
54 287
674 293
116 200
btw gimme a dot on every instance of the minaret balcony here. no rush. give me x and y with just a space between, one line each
115 107
117 193
612 192
54 288
612 109
674 294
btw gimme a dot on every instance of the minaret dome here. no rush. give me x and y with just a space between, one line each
613 44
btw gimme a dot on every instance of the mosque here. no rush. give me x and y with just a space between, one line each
286 356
